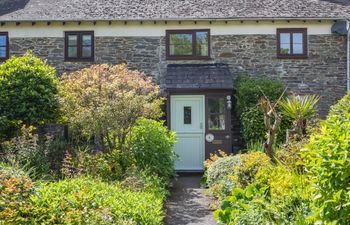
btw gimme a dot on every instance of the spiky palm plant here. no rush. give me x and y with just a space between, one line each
299 109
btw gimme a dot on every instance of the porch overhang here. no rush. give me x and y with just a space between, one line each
198 77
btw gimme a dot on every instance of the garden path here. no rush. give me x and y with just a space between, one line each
188 204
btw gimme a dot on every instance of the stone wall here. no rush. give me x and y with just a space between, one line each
323 72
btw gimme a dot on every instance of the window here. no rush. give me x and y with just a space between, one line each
4 46
216 113
79 46
292 43
188 44
187 115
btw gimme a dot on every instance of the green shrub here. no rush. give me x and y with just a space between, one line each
79 201
28 92
15 191
250 163
248 93
243 207
221 168
342 107
41 156
327 159
105 166
104 102
90 201
219 176
152 146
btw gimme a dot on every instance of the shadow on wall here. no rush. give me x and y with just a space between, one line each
9 6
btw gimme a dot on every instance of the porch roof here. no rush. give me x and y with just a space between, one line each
198 76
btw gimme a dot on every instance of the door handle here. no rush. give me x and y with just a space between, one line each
201 125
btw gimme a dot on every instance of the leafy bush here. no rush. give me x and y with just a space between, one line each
152 147
327 159
28 92
104 102
219 176
277 196
42 157
15 191
342 107
78 201
243 207
105 166
221 168
248 93
250 163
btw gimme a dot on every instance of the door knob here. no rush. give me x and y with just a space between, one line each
227 136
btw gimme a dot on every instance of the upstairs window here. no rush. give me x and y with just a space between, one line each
4 46
188 44
292 43
79 46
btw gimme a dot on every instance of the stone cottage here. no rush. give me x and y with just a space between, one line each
193 49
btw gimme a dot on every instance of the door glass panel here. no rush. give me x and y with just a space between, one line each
216 111
187 115
216 122
216 105
180 44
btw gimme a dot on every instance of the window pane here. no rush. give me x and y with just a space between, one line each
87 39
285 48
72 52
180 44
298 49
2 52
3 40
216 105
216 122
202 43
72 40
297 38
187 115
87 52
285 38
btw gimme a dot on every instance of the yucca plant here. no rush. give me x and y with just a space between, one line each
299 109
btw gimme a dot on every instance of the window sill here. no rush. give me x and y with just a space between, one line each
292 57
79 60
188 58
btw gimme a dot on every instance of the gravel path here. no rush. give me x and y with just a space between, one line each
188 204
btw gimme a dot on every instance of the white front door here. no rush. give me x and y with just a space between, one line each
187 120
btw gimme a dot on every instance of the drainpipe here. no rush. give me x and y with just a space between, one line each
348 55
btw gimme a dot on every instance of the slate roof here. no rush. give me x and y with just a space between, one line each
72 10
198 76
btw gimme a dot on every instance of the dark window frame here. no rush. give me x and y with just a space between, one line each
194 55
304 55
80 46
6 34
